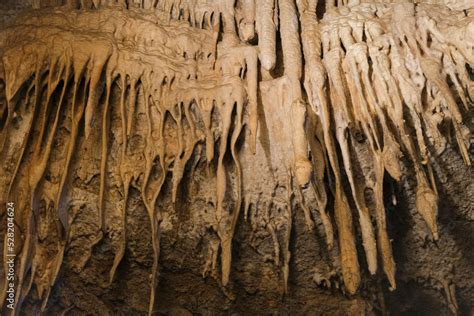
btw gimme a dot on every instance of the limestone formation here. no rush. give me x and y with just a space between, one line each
270 107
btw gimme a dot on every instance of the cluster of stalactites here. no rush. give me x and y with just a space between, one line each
41 67
386 80
374 75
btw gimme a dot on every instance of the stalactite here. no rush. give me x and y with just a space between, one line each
125 177
103 160
224 220
266 29
247 25
293 61
314 76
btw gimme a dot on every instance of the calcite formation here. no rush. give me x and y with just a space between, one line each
287 104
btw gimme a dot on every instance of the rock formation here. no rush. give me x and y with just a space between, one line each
131 128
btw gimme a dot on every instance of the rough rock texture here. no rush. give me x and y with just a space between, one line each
238 156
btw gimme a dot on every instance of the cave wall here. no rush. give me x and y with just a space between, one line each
288 157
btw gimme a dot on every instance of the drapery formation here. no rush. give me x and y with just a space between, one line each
153 92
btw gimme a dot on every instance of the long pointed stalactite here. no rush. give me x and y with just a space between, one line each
346 95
